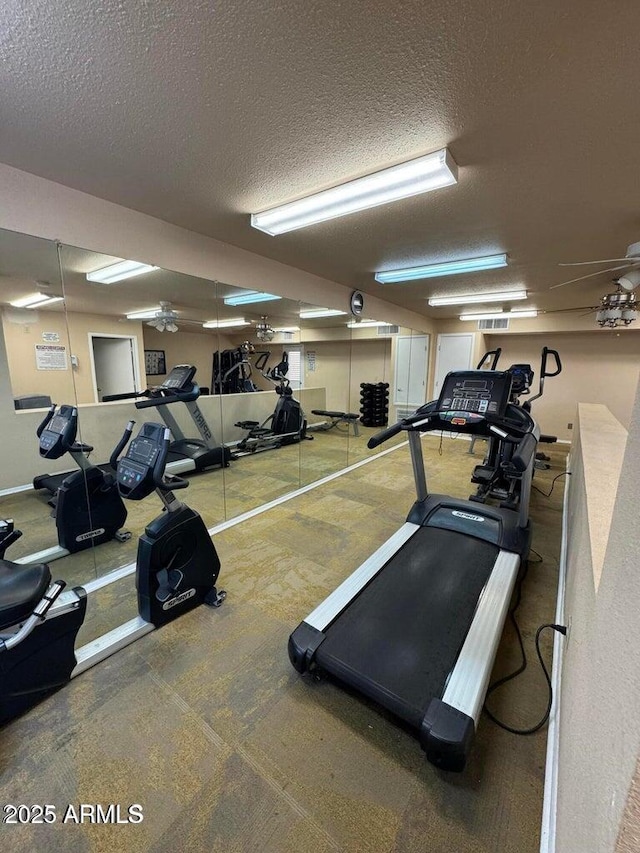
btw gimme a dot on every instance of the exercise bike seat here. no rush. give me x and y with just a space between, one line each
80 447
21 588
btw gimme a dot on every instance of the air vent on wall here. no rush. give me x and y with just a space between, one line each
495 323
388 330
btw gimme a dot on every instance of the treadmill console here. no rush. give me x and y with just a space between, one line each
58 432
468 396
179 378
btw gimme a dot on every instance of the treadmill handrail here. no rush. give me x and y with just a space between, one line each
516 422
165 399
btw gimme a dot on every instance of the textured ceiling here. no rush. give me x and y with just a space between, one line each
199 113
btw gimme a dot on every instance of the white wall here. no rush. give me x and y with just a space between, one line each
599 726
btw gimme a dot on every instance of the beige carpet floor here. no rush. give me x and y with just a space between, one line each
207 726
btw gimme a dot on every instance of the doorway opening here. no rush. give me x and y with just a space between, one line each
114 364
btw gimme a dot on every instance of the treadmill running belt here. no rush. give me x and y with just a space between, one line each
400 637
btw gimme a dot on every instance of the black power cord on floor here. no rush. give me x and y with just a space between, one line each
562 630
553 482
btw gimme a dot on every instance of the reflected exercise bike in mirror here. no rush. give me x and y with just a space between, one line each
87 508
176 570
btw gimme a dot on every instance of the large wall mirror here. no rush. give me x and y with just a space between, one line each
261 394
39 369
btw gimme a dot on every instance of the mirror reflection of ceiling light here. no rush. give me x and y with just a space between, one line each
490 262
119 271
366 324
320 312
249 297
420 175
35 300
147 314
467 299
226 324
498 315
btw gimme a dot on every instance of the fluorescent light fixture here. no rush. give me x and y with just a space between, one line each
320 312
225 324
288 329
494 296
147 314
366 324
490 315
250 297
119 271
490 262
411 178
35 300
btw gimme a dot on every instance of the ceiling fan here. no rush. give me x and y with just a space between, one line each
631 262
264 331
164 319
617 308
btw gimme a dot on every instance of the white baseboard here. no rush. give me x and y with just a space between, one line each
549 805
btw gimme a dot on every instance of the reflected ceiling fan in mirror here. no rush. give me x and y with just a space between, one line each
165 318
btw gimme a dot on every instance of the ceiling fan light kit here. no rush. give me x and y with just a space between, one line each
420 175
617 309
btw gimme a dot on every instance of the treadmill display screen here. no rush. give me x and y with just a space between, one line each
179 377
474 394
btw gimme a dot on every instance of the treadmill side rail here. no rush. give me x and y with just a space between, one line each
469 679
335 603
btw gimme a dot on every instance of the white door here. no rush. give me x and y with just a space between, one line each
454 353
114 365
412 362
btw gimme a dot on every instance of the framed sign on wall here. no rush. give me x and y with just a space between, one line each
154 362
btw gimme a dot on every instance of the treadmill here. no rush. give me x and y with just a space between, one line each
416 627
185 454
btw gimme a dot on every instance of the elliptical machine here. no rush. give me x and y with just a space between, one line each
176 570
87 507
286 425
492 477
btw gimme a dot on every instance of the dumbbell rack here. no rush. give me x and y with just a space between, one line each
374 404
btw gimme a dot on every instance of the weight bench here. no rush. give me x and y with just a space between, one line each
337 418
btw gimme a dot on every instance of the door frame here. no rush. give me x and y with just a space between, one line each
422 336
136 359
437 363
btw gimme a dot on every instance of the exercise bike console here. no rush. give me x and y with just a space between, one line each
57 432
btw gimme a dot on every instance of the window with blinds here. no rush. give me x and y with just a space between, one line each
295 367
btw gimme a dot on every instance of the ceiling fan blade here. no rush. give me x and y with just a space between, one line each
603 261
590 311
577 308
589 275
